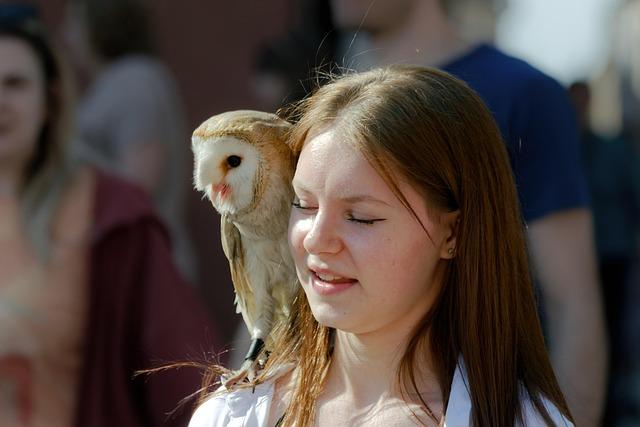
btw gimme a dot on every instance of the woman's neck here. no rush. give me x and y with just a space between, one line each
362 384
365 366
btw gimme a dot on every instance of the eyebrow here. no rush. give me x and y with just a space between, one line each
364 198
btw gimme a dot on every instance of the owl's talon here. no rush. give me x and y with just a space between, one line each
248 372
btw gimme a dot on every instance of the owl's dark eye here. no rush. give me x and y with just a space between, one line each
234 161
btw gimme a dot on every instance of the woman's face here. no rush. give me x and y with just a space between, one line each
22 101
364 261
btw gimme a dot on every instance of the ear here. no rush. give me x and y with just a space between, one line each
450 221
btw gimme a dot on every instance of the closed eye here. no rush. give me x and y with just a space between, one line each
296 204
364 221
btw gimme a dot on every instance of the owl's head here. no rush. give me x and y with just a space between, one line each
232 155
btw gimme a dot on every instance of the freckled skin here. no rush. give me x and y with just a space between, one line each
396 265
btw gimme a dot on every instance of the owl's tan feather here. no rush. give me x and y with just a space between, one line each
232 247
255 212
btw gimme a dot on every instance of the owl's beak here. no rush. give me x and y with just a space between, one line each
220 190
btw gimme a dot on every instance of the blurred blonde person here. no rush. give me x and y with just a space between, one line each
88 291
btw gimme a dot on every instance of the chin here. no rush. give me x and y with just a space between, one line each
328 321
331 316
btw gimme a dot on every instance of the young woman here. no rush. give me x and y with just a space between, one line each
88 292
416 304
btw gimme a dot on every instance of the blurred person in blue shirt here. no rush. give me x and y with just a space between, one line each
613 173
539 129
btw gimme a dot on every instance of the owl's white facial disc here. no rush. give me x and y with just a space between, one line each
226 170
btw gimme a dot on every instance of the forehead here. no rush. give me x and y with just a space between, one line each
16 56
331 165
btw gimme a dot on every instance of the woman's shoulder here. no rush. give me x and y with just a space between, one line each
459 407
241 406
213 412
244 406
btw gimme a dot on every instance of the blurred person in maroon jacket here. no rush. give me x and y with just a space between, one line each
130 119
88 292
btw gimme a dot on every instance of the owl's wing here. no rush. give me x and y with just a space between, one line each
232 247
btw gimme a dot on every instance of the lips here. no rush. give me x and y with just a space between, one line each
330 278
327 283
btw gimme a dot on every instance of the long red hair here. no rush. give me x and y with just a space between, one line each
434 131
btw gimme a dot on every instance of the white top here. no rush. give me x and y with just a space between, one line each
251 409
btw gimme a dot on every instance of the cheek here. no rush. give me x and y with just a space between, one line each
30 117
371 250
404 261
32 108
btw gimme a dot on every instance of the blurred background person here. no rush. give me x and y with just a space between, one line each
89 294
130 119
289 68
539 128
627 58
613 174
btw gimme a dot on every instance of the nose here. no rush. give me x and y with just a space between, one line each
323 237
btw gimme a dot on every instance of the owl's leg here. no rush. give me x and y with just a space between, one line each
261 330
254 350
249 367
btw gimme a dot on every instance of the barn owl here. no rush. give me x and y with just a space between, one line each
245 168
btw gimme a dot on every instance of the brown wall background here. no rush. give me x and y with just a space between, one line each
209 46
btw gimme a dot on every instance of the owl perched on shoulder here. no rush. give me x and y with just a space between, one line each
245 167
